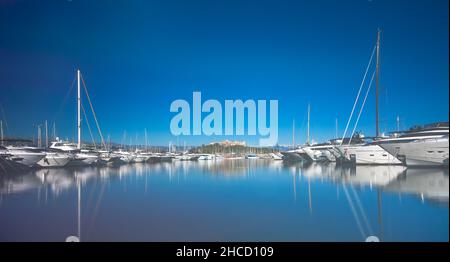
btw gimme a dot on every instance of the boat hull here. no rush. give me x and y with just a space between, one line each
422 152
83 160
55 160
28 159
368 155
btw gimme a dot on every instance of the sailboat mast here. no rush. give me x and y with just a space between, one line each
293 133
54 131
1 132
46 134
39 141
336 135
79 110
377 84
146 144
307 134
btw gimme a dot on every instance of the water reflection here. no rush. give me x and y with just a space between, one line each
427 183
430 184
92 190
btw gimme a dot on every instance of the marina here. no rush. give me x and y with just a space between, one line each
210 121
426 145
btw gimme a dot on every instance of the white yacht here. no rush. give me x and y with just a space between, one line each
81 156
139 158
85 157
54 158
27 156
251 156
186 157
420 146
319 152
125 156
276 156
7 163
107 157
368 154
294 155
206 157
146 155
4 153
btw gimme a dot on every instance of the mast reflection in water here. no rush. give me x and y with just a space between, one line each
228 200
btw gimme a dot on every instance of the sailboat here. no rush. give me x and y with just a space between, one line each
368 153
314 152
81 156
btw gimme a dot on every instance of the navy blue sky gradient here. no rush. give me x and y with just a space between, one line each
139 56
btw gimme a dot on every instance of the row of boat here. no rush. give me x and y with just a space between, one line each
420 146
61 154
424 146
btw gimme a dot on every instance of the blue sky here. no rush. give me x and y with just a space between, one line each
138 56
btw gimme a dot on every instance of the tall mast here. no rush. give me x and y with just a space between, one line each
54 131
1 131
377 84
79 110
307 134
398 123
39 140
293 133
146 144
336 135
46 134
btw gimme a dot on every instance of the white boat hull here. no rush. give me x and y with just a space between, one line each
368 155
422 152
55 160
28 159
82 159
206 158
139 159
127 159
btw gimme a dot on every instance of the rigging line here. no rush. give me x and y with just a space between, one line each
359 92
362 107
355 215
302 126
93 112
361 209
89 127
64 100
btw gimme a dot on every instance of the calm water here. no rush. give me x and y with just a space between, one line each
229 200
